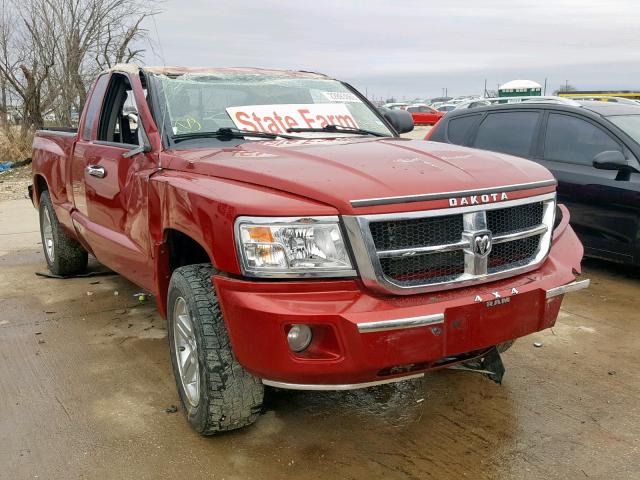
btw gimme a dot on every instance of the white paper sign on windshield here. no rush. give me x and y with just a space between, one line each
341 97
279 118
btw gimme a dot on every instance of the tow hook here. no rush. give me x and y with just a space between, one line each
490 365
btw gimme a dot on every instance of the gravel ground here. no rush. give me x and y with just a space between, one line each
14 182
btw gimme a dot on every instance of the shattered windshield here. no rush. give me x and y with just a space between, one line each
202 102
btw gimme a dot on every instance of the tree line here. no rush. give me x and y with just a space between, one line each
51 50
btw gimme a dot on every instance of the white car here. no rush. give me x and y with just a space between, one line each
446 107
397 105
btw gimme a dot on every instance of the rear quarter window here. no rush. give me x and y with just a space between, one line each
508 132
459 128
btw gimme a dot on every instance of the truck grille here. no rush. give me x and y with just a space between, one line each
421 269
431 250
421 232
505 220
513 254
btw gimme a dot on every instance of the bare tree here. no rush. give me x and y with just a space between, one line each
26 58
94 34
51 50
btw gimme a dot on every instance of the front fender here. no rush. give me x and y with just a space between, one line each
205 209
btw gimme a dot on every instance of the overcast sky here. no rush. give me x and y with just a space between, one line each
411 48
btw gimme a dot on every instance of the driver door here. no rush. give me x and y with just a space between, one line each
603 209
112 215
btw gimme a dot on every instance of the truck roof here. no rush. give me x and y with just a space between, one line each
176 71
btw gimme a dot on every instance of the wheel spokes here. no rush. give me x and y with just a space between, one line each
47 234
186 351
190 368
183 327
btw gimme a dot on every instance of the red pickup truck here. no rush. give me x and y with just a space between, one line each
292 239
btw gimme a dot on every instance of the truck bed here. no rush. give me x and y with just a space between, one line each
51 150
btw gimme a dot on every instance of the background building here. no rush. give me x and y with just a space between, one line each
520 88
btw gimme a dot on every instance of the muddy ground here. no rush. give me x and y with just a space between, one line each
85 381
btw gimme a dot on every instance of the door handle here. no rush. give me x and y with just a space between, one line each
96 171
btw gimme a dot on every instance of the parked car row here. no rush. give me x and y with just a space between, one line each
429 113
591 147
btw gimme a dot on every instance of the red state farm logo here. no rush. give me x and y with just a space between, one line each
477 199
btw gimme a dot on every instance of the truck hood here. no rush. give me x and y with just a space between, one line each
339 171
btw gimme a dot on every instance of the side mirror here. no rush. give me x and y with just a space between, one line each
614 160
136 150
145 145
611 160
400 120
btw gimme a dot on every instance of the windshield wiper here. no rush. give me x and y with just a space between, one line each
228 133
337 129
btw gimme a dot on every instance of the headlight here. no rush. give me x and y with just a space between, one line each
292 247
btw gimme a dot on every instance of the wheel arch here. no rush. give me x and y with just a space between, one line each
40 185
178 249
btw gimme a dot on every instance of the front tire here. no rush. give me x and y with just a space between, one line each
64 255
217 393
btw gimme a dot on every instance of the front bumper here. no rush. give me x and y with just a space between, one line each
362 338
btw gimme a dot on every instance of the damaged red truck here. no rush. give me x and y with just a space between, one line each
292 239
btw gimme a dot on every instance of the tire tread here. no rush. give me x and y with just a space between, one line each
70 258
233 396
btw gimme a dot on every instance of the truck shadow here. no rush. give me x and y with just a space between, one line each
611 269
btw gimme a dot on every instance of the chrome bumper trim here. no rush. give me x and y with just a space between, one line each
410 322
569 287
344 386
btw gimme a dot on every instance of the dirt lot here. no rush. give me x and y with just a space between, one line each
14 182
85 381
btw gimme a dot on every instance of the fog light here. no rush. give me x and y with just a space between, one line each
299 337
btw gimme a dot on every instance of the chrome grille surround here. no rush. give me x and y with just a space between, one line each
476 268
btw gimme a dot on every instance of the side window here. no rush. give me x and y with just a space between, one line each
93 107
508 132
573 140
460 128
119 116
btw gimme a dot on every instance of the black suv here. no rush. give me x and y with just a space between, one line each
591 147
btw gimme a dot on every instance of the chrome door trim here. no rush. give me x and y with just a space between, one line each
96 171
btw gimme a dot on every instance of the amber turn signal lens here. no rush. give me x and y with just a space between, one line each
260 234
